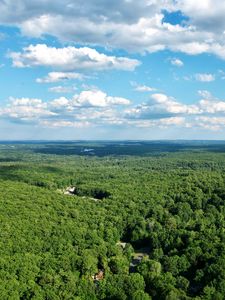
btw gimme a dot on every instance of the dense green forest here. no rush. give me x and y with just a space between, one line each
104 220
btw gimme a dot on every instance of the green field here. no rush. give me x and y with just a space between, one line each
145 220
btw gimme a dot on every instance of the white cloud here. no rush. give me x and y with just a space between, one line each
89 107
163 111
53 77
27 102
60 102
64 123
207 14
212 107
204 77
70 59
62 89
96 108
26 109
98 98
170 105
131 25
172 121
210 104
88 99
176 62
193 47
205 94
160 123
163 106
143 33
117 11
210 123
142 88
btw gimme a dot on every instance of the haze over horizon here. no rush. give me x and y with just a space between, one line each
119 70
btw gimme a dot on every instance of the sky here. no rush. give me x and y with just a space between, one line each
112 70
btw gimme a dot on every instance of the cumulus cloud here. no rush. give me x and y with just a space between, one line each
53 77
70 58
85 101
64 123
93 106
62 89
115 11
60 102
160 123
161 106
26 109
210 104
132 25
96 108
98 98
212 107
205 94
203 77
210 123
142 88
172 121
207 15
176 62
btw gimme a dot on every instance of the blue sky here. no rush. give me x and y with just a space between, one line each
123 69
